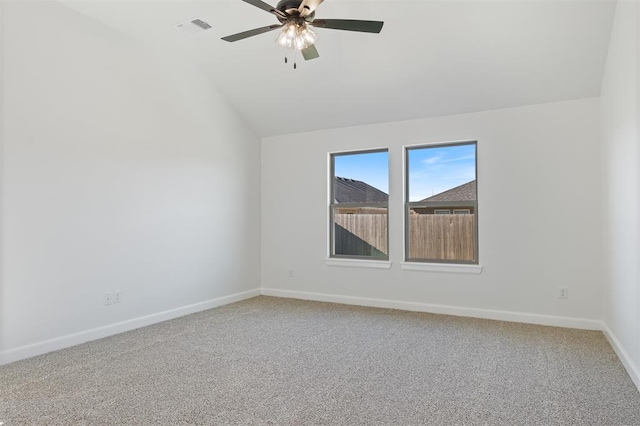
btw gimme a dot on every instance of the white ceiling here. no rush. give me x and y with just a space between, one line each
432 58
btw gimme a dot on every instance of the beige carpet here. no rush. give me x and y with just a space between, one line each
269 361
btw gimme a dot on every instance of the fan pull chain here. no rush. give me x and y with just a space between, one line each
295 60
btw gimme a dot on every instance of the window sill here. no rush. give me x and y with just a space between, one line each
357 263
442 267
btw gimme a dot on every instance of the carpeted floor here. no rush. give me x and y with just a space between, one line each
286 362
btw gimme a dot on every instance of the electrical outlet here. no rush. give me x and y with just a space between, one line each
108 298
117 296
563 293
290 273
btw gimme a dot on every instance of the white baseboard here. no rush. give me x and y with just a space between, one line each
557 321
629 365
62 342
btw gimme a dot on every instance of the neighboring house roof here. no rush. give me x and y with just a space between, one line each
464 192
355 191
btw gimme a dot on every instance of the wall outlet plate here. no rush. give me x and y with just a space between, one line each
563 293
108 298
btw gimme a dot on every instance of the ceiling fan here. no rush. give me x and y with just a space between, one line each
296 17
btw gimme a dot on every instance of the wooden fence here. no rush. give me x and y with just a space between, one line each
442 236
446 236
361 234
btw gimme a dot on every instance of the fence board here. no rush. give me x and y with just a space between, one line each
369 230
442 236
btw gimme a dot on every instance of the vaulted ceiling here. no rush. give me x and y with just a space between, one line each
432 58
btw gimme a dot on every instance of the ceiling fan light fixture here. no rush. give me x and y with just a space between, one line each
296 35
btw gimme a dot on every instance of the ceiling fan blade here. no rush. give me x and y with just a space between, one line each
251 33
308 6
349 25
310 53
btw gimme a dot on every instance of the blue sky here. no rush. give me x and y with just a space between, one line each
437 169
371 167
431 170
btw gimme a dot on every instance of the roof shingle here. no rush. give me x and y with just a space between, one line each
355 191
464 192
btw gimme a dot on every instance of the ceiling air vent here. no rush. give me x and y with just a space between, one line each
200 23
193 26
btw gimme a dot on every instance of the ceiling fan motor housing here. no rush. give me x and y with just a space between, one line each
290 8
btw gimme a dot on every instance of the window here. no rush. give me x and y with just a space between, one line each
358 205
440 179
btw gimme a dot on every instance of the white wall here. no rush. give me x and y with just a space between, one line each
2 38
621 158
539 217
123 170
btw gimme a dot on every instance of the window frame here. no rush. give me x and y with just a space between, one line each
408 205
333 205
